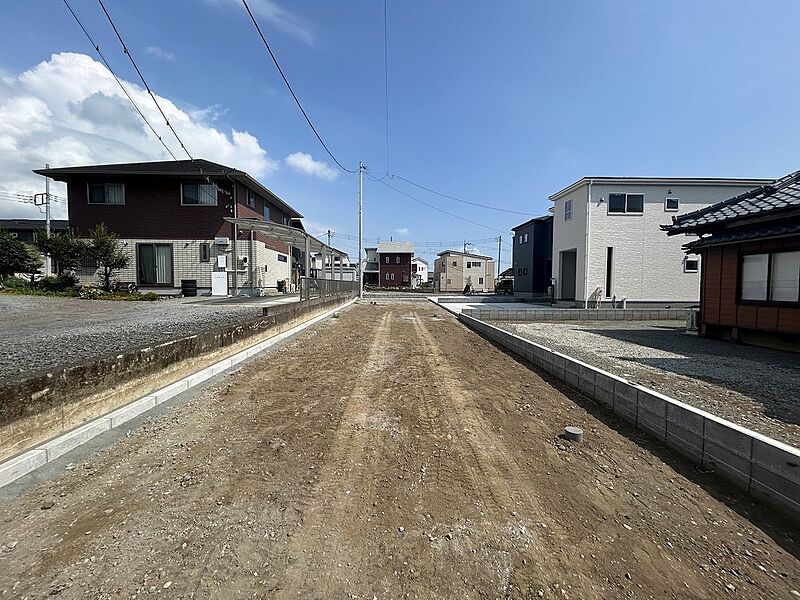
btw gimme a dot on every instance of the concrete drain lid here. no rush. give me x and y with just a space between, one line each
574 434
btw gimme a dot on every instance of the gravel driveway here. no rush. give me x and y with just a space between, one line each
40 333
754 387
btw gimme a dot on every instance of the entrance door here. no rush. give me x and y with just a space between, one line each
154 264
568 261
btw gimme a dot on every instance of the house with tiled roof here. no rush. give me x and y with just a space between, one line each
749 246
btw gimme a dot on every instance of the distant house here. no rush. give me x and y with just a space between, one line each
532 256
607 242
454 270
29 230
370 267
750 249
394 264
419 271
170 218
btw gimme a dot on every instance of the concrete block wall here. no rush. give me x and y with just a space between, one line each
576 314
765 468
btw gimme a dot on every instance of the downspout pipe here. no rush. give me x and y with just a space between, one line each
235 236
587 245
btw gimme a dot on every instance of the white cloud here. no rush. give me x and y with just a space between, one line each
69 111
159 53
282 19
305 163
401 231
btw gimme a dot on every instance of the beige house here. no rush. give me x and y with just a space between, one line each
454 270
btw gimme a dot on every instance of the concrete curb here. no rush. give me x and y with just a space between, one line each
766 469
577 314
20 465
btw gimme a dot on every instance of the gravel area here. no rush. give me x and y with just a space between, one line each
40 333
754 387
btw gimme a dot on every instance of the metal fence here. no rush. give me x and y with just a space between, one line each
311 287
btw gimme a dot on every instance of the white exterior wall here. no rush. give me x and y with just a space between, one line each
422 272
648 265
267 269
568 235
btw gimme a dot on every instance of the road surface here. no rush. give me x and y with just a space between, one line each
388 453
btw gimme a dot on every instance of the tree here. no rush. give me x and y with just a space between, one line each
33 267
15 257
105 249
66 249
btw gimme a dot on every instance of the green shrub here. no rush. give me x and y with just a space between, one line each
90 293
57 283
15 283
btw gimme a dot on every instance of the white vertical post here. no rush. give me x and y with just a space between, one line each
47 264
360 229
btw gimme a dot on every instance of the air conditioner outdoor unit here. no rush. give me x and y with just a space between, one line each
221 241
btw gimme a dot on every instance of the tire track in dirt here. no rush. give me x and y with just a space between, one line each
321 542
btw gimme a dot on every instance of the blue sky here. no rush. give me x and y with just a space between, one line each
496 103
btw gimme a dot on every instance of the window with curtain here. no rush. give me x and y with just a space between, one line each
154 264
198 194
785 277
753 284
106 193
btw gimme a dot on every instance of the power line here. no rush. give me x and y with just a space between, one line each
158 106
486 206
288 85
386 74
124 89
434 207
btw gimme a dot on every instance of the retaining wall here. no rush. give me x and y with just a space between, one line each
577 314
765 468
42 406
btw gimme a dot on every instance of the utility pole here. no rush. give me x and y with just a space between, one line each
360 229
47 259
499 248
324 266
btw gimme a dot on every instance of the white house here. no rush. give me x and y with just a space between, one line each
419 271
607 245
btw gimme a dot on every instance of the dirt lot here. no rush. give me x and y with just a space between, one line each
389 453
40 333
754 387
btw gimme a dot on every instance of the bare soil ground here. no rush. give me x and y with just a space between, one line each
753 387
389 453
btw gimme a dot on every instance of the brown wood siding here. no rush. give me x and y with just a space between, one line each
153 210
399 270
720 276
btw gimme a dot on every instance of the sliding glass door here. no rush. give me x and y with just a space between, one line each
154 264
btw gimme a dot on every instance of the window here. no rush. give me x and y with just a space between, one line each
392 274
448 282
251 199
753 284
387 277
609 269
266 212
14 234
525 270
205 252
785 277
480 280
387 259
626 203
519 272
154 262
283 258
568 210
198 194
523 238
476 264
455 264
397 259
106 193
671 204
691 265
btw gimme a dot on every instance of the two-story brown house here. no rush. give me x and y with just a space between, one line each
170 218
394 264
